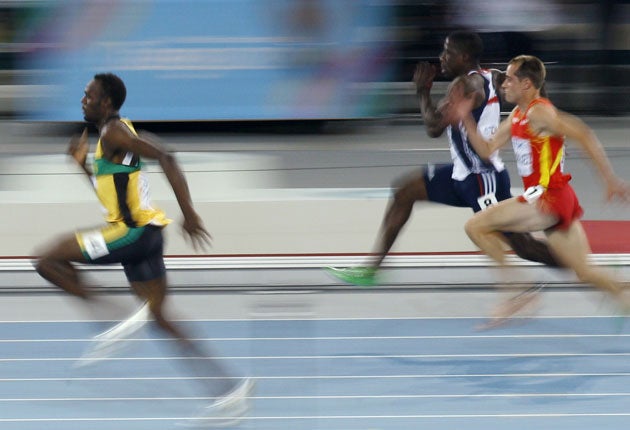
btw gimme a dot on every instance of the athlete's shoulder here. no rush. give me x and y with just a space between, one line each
129 125
540 107
475 82
497 77
117 127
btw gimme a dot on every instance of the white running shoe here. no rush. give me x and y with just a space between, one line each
227 410
110 341
526 302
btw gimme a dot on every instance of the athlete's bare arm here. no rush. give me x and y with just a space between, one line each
423 78
117 137
78 149
484 148
546 119
439 116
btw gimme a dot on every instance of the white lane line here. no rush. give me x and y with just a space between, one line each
344 338
334 357
320 417
331 397
327 377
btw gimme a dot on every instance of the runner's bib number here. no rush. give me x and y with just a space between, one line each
486 201
533 193
94 244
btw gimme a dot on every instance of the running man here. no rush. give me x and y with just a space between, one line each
537 131
469 181
132 235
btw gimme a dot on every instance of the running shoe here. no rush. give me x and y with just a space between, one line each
526 302
360 276
227 410
112 341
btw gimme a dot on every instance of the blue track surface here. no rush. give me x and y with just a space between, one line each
434 373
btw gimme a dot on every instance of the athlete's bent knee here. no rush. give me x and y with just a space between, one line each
44 266
41 266
471 228
408 195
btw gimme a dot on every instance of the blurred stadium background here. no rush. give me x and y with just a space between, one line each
227 60
291 118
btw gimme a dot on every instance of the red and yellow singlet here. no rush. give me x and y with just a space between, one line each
540 162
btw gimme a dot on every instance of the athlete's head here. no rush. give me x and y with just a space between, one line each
525 76
104 95
113 87
462 52
530 67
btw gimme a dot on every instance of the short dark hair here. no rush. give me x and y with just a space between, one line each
467 42
530 67
113 87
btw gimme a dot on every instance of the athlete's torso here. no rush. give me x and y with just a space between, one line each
488 117
539 158
123 190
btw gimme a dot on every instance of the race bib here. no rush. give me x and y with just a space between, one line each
94 244
523 153
487 201
533 193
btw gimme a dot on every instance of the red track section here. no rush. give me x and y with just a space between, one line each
608 237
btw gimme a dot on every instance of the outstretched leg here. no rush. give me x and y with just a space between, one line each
572 248
231 394
408 191
485 228
529 248
154 293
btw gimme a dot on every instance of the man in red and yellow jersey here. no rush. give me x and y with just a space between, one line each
540 162
537 131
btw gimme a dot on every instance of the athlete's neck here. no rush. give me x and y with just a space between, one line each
107 119
524 103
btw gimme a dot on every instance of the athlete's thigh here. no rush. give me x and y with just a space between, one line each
570 245
146 269
411 186
63 248
513 215
147 264
113 243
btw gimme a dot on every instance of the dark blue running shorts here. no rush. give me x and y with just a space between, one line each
473 192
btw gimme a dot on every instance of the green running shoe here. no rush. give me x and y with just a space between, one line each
360 276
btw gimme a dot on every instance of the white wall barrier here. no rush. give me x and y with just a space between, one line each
264 236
